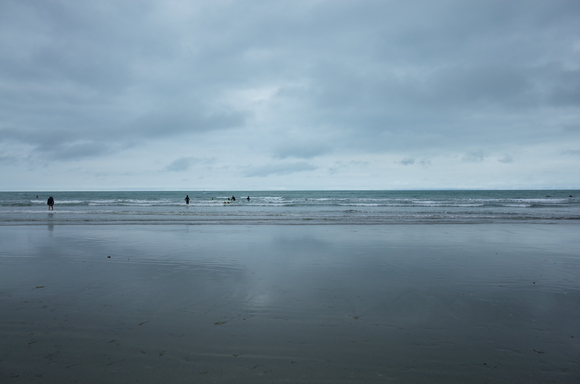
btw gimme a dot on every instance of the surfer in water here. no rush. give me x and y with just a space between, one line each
186 199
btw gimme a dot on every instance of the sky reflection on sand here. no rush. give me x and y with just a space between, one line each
304 303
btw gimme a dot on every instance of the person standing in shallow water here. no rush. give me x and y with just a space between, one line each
50 203
186 199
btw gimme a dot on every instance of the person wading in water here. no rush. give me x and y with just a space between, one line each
50 203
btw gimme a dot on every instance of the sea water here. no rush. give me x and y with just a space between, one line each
291 207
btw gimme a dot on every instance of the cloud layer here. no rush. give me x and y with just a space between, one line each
290 94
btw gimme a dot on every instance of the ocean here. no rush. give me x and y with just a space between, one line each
292 207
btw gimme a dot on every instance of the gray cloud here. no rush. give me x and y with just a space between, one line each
339 166
186 162
302 80
506 159
302 150
8 160
474 157
168 123
573 128
75 150
279 169
410 161
181 164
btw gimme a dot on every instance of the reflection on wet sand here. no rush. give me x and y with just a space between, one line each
312 304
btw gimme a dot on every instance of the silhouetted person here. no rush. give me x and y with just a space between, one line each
50 203
186 199
248 198
233 198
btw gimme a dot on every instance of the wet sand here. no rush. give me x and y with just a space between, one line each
495 303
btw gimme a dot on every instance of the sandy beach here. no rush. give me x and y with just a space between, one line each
496 303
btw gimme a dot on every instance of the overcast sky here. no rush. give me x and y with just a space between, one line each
297 94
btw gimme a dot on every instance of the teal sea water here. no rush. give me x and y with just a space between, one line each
292 207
